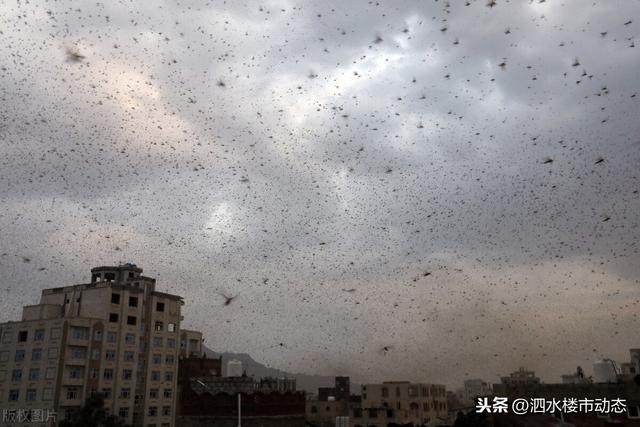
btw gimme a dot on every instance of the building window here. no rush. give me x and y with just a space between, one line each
97 335
72 393
157 341
55 333
131 320
52 353
14 395
171 343
133 301
155 375
168 376
80 333
127 374
168 393
160 306
385 392
75 372
166 411
115 298
106 392
633 411
34 374
123 412
95 355
19 355
4 356
171 327
111 337
125 393
36 354
38 335
169 359
129 356
130 339
6 337
153 393
50 373
22 336
3 376
16 375
110 355
31 394
113 317
153 411
107 374
156 359
314 410
159 326
78 353
94 373
47 394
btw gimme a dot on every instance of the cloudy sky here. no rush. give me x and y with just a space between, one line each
452 181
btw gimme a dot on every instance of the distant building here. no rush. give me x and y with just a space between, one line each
399 402
234 368
211 400
575 378
474 388
520 377
575 386
402 402
342 388
282 385
190 343
116 335
324 393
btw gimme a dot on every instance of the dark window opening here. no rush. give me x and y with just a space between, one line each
113 317
115 298
133 301
159 306
131 320
22 336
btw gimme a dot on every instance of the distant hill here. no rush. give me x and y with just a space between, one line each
308 383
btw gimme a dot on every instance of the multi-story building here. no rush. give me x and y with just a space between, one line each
520 377
401 402
116 336
190 343
475 388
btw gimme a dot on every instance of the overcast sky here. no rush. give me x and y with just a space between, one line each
455 182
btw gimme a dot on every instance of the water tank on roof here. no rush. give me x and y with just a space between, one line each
604 371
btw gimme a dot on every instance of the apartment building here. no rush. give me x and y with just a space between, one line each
116 335
401 402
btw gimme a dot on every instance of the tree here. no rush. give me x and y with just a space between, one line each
93 414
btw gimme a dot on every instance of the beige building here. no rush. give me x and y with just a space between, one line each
190 343
520 377
116 335
401 402
398 402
